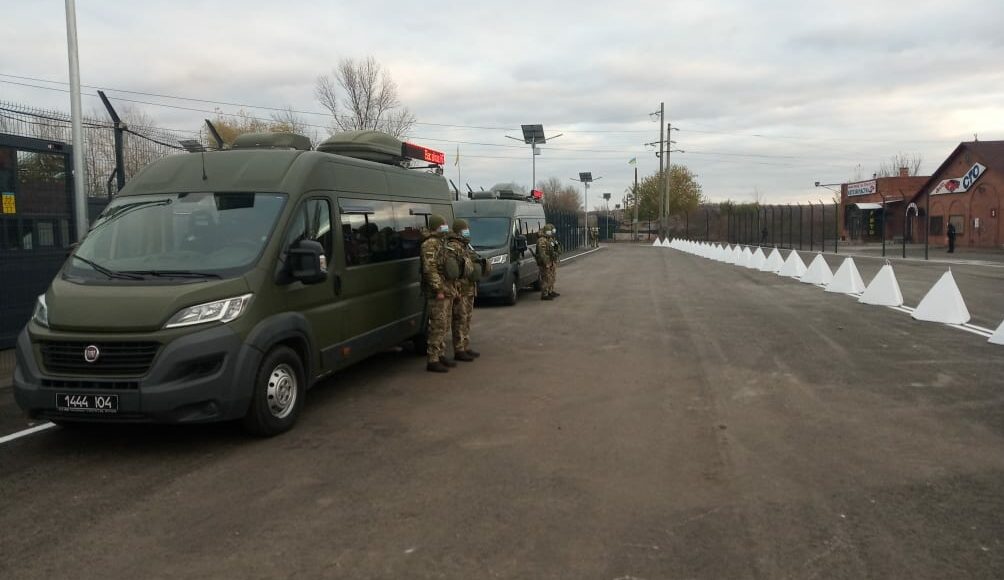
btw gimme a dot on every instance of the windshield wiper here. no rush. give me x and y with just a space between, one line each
129 208
106 271
174 273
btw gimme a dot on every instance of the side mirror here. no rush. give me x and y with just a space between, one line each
304 262
520 244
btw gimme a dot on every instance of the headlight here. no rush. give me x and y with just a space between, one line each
41 314
500 259
221 310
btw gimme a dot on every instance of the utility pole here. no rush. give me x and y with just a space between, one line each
662 175
79 177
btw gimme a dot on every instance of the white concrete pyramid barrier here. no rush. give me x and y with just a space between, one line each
998 335
883 290
818 273
943 303
657 243
793 267
747 257
665 243
773 262
758 259
737 255
846 280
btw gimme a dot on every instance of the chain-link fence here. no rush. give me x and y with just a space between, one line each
142 143
800 226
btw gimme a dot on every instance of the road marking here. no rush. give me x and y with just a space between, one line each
26 432
582 254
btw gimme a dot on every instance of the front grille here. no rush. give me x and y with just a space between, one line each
115 358
91 385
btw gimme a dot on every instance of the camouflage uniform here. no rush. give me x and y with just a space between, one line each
548 252
434 283
466 290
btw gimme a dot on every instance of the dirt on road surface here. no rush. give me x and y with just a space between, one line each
666 417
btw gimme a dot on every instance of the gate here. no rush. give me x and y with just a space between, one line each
36 224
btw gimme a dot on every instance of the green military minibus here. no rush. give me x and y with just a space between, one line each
222 285
504 229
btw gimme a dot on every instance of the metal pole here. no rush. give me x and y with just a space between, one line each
662 176
669 167
883 223
927 229
636 203
906 218
533 161
836 226
801 225
791 218
707 225
812 223
79 177
119 130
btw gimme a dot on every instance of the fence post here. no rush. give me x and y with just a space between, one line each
836 225
119 130
801 224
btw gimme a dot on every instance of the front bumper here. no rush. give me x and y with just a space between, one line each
200 377
497 285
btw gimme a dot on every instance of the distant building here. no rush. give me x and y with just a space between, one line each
967 191
863 203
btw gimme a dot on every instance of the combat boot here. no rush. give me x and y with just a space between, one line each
555 294
446 362
463 356
473 353
436 367
546 297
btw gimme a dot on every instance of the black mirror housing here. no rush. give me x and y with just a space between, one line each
304 262
520 243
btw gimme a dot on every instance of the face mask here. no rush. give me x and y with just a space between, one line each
466 233
443 229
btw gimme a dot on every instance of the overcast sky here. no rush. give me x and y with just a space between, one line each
772 95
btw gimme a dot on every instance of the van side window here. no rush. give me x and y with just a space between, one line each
369 231
311 222
411 218
532 232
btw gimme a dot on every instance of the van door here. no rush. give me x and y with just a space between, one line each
381 242
319 303
528 270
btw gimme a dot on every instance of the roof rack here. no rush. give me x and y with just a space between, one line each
380 147
272 141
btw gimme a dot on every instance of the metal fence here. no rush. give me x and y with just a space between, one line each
800 226
569 226
142 142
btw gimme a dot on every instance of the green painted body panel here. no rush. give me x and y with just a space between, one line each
354 302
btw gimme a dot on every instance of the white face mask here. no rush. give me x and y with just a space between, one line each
444 229
466 234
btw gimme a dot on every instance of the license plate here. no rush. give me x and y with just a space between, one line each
88 403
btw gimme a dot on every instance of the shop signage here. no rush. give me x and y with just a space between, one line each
861 188
960 184
9 203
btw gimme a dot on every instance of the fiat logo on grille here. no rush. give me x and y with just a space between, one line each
91 353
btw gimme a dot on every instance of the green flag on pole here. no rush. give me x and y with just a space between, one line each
634 161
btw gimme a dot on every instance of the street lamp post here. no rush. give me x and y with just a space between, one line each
585 178
533 135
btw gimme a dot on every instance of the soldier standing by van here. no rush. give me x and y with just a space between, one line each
548 252
467 286
439 291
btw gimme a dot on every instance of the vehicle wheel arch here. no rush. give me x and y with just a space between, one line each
289 329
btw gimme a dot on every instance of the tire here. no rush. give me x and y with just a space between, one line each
279 391
513 296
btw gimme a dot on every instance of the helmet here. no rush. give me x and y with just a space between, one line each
435 221
459 225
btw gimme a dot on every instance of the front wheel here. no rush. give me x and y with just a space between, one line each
279 392
513 296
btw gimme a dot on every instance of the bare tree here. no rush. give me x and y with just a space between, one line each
891 168
558 195
361 95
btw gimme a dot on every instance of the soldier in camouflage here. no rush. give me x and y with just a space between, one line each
439 290
548 253
467 287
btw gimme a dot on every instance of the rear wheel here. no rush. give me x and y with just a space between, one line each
279 392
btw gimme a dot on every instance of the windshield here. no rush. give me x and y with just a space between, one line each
489 232
215 234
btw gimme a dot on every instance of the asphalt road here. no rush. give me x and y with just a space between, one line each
666 417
